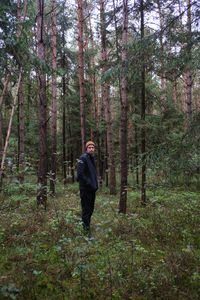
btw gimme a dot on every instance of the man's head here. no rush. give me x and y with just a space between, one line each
90 147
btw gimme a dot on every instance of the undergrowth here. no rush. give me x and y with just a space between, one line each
152 252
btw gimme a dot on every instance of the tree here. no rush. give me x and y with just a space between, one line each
81 72
9 129
143 108
21 107
54 102
106 100
123 155
189 72
42 108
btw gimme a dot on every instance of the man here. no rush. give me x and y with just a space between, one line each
88 184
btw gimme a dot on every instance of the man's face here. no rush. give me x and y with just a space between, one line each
90 149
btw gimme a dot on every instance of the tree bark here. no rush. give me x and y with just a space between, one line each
42 108
5 88
189 73
54 102
81 73
161 45
21 108
9 129
1 102
143 108
106 96
123 154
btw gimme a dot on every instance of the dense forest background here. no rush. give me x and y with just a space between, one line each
124 74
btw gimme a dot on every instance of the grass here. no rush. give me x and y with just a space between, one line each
152 252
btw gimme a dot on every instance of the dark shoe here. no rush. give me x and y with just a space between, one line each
86 228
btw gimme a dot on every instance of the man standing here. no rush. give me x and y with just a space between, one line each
88 184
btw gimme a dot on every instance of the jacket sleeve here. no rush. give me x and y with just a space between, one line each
81 171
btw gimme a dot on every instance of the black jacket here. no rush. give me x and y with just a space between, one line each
86 173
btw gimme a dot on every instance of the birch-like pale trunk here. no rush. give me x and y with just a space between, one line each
9 128
1 102
5 88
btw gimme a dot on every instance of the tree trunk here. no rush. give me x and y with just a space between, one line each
106 97
21 135
64 127
5 88
189 73
161 45
1 102
21 109
118 49
54 102
81 72
123 154
94 83
143 107
42 108
9 129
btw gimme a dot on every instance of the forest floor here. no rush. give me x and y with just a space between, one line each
152 252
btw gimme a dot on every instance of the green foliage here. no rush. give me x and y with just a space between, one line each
149 253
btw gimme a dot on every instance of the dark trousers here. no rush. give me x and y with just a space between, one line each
87 204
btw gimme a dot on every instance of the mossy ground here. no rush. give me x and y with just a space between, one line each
152 252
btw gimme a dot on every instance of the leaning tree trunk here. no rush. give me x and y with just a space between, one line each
81 72
54 103
9 129
143 107
1 102
124 159
42 108
106 96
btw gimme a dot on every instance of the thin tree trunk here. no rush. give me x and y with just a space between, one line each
175 93
64 128
136 156
5 88
143 107
123 154
21 135
21 109
1 137
189 73
161 45
1 102
106 97
9 129
42 103
118 49
81 72
64 105
93 81
54 102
